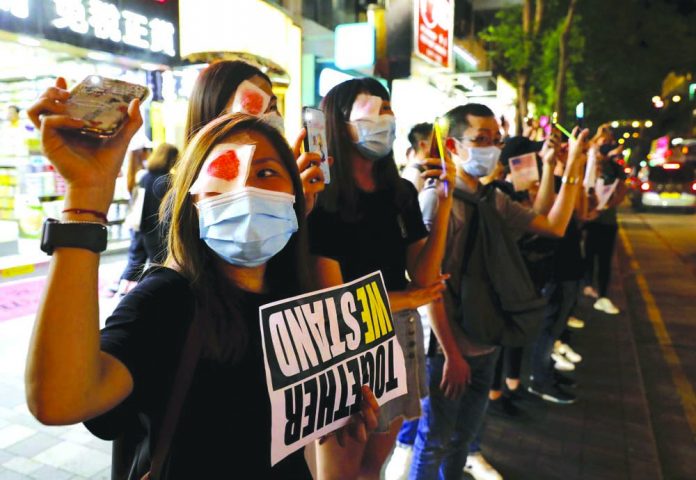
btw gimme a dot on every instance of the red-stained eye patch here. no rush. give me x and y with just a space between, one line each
252 102
225 166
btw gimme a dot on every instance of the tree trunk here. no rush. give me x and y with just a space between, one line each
559 101
522 99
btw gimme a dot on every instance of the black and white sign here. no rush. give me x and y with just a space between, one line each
319 349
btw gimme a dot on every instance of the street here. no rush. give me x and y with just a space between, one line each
635 418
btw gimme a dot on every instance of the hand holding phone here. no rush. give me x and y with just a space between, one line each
314 123
103 104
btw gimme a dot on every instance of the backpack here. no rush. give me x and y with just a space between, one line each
498 302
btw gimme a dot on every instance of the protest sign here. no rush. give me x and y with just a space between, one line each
604 192
319 349
524 171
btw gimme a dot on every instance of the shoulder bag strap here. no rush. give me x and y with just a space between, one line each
184 375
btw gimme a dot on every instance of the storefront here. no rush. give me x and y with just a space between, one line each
250 30
132 40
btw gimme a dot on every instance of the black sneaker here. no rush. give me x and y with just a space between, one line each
504 407
552 393
520 394
564 381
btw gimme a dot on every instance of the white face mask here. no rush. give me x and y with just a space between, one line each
373 133
481 161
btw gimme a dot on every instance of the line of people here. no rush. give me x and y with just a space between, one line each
250 220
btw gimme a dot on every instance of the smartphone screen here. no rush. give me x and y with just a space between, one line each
314 122
103 103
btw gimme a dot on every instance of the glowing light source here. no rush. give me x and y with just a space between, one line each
677 141
645 186
635 135
648 123
676 98
671 166
635 124
626 135
656 99
614 124
621 141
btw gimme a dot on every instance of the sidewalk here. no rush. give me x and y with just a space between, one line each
29 450
607 434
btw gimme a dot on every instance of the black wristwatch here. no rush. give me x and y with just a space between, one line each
90 236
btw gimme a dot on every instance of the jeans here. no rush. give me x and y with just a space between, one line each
562 297
447 427
407 434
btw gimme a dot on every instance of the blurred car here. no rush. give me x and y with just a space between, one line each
670 185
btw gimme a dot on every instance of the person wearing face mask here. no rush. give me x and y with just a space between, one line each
460 371
234 86
236 240
368 219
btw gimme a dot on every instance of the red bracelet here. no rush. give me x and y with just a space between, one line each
99 215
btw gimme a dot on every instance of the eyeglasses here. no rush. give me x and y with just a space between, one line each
484 141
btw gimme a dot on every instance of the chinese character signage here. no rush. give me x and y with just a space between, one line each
144 29
434 31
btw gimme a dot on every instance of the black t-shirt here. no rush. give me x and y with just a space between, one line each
377 240
567 261
156 185
226 419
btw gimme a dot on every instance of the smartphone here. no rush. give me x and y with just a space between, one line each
103 104
434 153
314 123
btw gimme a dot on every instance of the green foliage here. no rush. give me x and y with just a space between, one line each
512 54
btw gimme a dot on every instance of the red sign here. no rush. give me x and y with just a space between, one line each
434 31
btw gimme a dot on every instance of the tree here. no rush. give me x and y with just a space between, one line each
524 45
563 61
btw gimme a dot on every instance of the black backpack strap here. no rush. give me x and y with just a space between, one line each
184 376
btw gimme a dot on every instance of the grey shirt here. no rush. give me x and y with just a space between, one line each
515 216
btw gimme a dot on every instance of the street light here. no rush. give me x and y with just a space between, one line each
656 99
648 123
635 124
676 99
614 124
626 135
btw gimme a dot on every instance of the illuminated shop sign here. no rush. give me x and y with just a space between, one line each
144 28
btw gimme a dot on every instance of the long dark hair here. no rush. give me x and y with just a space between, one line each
219 316
213 89
342 193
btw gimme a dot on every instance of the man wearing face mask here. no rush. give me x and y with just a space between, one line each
454 411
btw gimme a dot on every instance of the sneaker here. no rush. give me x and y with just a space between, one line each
566 350
561 363
480 469
552 393
589 291
574 322
605 305
399 463
505 407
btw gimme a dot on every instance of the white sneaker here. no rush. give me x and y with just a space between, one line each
566 350
605 305
574 322
399 463
561 363
480 469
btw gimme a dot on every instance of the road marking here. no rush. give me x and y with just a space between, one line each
681 381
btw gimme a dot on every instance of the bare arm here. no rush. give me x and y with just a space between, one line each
68 378
456 373
547 192
554 224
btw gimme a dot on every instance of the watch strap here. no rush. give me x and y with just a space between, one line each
86 235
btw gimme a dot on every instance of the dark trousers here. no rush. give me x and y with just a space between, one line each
599 247
508 365
447 427
561 297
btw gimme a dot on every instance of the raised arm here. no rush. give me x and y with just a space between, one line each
68 378
554 224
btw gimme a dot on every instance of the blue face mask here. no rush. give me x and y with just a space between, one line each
481 161
375 137
248 227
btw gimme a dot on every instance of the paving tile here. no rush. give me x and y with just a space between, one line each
47 472
33 445
22 465
75 458
6 474
13 434
80 436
